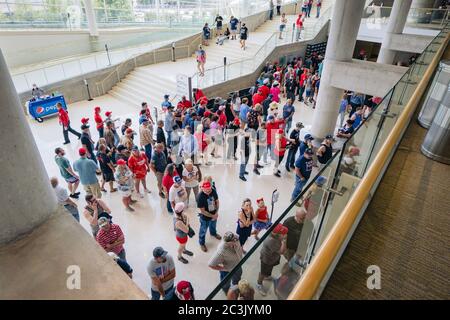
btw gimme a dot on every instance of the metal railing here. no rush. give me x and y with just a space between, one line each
333 208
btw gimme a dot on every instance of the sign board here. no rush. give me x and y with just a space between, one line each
182 85
45 107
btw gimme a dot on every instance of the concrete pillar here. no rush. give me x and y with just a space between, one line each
44 252
26 197
397 21
344 28
90 15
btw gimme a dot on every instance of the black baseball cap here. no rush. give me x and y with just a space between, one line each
309 151
159 252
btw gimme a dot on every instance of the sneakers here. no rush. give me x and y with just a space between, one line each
277 175
261 290
256 171
246 172
218 236
258 166
67 142
189 253
243 178
74 195
183 260
203 247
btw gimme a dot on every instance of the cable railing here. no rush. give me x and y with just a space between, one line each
334 202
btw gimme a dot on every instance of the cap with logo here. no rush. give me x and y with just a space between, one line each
108 113
121 162
206 185
84 120
309 151
177 179
229 236
329 136
82 151
179 207
129 130
309 137
321 180
280 229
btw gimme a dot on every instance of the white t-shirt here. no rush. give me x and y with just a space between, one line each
61 194
178 194
192 174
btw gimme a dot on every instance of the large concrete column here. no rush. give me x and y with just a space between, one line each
26 197
344 28
90 15
397 21
44 251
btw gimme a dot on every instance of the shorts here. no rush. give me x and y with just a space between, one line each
308 93
282 27
182 240
243 37
108 176
93 189
71 180
233 31
266 270
219 27
258 225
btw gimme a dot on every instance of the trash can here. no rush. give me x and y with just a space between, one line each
435 94
437 141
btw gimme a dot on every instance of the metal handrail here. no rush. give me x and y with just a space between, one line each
310 281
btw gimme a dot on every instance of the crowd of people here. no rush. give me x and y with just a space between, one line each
251 126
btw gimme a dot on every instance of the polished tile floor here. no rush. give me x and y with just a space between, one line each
151 225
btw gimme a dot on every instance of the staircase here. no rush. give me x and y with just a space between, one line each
151 83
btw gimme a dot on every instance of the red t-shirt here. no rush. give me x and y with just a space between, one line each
138 165
167 180
272 129
183 105
63 117
222 120
303 78
283 146
264 91
98 120
258 98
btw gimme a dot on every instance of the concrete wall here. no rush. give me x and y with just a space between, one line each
29 47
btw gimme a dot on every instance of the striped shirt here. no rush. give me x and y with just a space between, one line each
228 255
107 237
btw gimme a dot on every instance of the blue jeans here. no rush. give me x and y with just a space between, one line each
167 294
148 151
242 167
169 207
169 139
299 184
235 278
290 161
73 211
288 125
318 12
204 225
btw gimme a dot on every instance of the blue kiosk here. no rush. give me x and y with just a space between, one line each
44 107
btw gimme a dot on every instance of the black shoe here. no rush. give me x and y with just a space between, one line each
74 195
66 142
278 171
246 172
259 166
277 175
183 260
235 158
189 253
243 178
287 169
77 193
256 172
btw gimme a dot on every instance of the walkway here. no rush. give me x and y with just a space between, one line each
405 231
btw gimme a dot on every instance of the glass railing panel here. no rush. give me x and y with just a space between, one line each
55 73
88 64
20 82
286 268
233 70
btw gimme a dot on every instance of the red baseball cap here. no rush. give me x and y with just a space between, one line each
206 185
121 162
129 130
82 151
207 113
237 121
84 120
97 109
183 290
280 229
108 113
280 131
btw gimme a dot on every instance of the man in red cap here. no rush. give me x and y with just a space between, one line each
184 104
65 122
138 164
99 121
184 291
273 247
87 171
208 204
